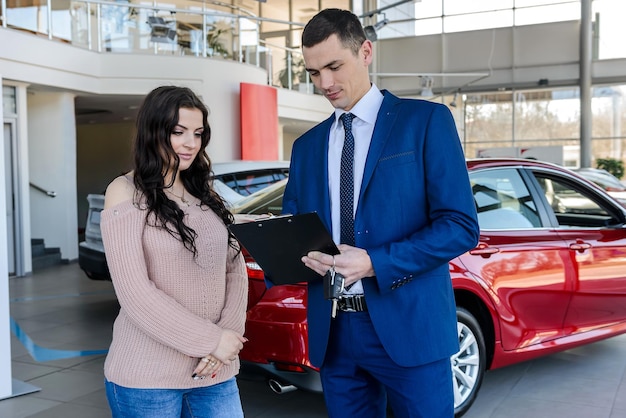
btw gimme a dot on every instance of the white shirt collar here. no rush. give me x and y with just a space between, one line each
367 108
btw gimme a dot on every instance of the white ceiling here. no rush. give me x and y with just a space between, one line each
106 109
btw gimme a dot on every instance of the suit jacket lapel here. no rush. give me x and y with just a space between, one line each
384 123
319 158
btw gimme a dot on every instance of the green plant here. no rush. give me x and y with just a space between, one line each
612 165
298 71
214 42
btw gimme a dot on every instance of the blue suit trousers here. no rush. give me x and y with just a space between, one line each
359 377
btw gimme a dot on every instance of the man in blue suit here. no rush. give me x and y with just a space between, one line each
412 211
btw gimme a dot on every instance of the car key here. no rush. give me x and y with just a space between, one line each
333 275
334 286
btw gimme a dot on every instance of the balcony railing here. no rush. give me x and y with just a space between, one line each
222 32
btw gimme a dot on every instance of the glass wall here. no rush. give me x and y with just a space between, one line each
265 34
444 16
488 121
609 122
447 16
67 20
543 124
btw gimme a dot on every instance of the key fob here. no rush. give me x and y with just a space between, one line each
333 284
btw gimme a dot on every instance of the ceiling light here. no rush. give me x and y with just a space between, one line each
426 83
453 102
371 30
160 30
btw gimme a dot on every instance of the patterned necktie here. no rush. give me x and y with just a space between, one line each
346 183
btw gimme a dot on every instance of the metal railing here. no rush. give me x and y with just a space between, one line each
107 26
49 193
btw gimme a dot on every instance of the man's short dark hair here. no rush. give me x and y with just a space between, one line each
343 23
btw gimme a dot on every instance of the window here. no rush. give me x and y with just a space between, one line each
246 183
572 206
9 100
503 200
265 202
505 123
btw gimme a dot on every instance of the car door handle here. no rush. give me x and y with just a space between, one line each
580 246
484 250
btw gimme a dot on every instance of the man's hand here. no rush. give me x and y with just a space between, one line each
352 262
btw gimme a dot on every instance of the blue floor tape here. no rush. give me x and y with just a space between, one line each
67 295
48 354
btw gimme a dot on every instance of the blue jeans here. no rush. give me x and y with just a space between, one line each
217 401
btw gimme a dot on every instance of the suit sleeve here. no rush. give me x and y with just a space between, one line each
450 227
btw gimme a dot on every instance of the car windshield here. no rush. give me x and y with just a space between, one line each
266 201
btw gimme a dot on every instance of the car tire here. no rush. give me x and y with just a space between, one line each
468 365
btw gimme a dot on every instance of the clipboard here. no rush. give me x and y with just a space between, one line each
277 244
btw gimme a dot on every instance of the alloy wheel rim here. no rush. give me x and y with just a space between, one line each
465 365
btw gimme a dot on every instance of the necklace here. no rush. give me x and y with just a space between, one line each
182 198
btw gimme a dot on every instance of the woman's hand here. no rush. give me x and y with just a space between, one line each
229 346
227 350
207 366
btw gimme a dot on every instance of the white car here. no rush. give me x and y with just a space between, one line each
607 181
233 181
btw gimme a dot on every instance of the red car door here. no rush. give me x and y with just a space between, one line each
599 296
524 263
529 274
592 228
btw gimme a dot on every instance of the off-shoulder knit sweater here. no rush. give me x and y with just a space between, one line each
173 307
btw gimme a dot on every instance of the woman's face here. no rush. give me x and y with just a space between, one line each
186 137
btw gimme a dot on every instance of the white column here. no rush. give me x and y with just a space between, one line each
8 386
585 83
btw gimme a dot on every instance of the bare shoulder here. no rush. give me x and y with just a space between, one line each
119 190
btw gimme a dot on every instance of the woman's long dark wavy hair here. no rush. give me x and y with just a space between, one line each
154 157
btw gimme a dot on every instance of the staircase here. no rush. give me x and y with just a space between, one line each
44 257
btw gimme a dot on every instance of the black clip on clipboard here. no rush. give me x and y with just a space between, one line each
277 244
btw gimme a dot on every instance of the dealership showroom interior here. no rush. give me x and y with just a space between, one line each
537 89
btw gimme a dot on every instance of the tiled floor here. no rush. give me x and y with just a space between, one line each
64 323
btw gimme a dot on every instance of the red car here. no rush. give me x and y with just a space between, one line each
548 274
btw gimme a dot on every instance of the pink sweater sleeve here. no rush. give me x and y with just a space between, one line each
151 310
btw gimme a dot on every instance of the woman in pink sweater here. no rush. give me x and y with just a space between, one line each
178 273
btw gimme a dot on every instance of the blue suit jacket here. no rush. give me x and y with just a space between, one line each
415 213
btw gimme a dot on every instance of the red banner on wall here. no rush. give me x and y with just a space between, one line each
259 122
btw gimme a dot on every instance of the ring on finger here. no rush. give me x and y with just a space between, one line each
206 360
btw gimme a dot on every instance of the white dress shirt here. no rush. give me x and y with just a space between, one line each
365 112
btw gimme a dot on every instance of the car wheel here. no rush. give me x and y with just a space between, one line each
468 365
